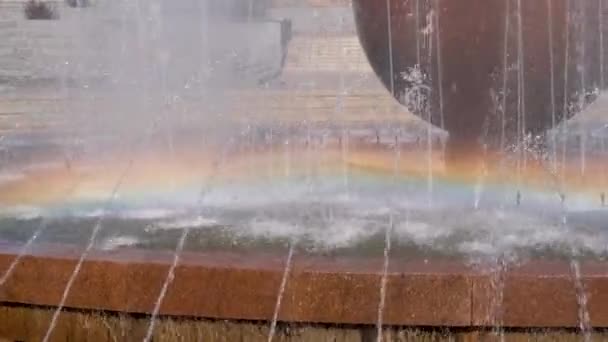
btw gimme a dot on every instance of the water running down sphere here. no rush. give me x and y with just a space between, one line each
490 72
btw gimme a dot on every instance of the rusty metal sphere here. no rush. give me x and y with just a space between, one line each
489 71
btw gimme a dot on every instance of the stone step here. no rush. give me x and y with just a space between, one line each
7 24
327 53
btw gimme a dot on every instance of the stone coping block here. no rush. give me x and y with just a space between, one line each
319 289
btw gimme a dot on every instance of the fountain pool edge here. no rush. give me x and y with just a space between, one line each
330 290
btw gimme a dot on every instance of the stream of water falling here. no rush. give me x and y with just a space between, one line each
437 11
581 67
97 228
309 158
286 159
521 98
428 35
498 283
584 319
387 243
478 188
384 279
390 46
345 169
505 75
277 307
44 223
600 14
420 94
564 125
204 32
24 249
206 188
345 134
603 170
602 87
168 280
552 82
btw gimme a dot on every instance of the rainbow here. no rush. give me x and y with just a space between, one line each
157 179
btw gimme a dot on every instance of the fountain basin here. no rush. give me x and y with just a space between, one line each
334 288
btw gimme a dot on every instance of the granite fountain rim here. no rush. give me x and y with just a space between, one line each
320 289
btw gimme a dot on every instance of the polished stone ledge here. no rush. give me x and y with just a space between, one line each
335 290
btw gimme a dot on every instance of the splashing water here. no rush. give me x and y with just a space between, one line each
584 319
277 307
98 226
498 284
384 278
180 246
96 229
24 249
552 81
168 280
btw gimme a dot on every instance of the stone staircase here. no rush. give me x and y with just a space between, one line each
341 53
326 76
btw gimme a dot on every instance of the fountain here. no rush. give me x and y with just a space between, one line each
274 170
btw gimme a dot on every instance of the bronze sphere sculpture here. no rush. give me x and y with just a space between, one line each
488 71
